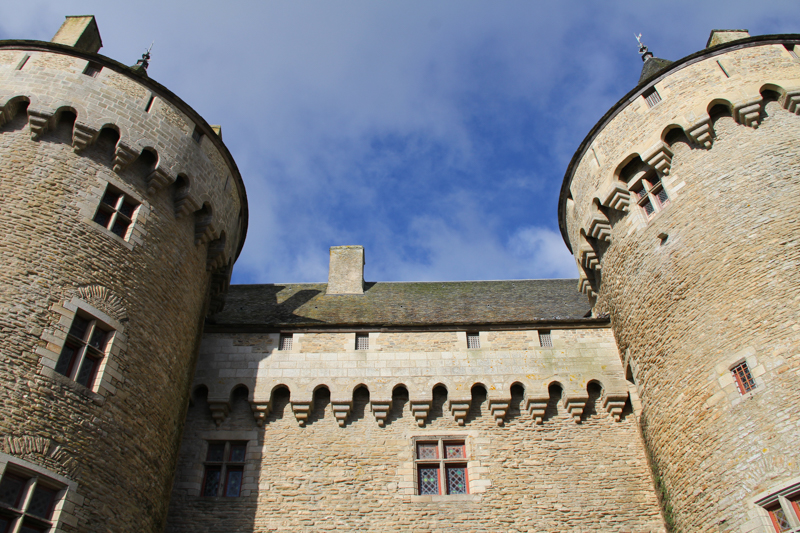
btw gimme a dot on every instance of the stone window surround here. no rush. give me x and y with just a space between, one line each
478 483
727 382
760 521
192 481
91 199
66 499
55 338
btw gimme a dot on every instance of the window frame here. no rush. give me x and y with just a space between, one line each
285 342
115 213
476 337
35 477
745 382
787 500
652 97
545 338
647 191
441 463
84 350
362 341
224 467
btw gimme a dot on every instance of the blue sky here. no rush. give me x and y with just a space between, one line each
434 133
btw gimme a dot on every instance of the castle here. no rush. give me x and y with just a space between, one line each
141 392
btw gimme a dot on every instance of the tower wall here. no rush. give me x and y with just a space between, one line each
76 127
708 280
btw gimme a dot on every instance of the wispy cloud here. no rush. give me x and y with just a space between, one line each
436 134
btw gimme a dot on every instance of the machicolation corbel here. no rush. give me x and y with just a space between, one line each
574 404
381 408
659 157
301 411
615 195
219 410
38 122
157 180
123 156
460 408
82 137
536 406
261 411
791 101
701 133
614 403
420 410
499 409
748 113
341 410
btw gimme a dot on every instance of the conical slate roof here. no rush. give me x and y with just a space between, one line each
651 66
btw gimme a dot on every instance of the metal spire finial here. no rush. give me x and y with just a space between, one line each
643 51
144 62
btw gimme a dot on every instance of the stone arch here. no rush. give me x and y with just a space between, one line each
215 257
145 163
182 198
719 107
238 391
320 399
104 299
199 394
675 133
594 391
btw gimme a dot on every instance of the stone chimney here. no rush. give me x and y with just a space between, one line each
79 32
725 36
346 273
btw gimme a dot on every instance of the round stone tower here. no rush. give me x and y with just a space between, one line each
121 213
681 208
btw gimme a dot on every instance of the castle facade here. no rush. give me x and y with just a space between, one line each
141 392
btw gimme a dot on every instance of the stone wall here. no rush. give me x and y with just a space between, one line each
705 283
114 443
531 467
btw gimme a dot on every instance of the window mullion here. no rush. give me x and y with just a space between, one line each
112 220
789 512
80 356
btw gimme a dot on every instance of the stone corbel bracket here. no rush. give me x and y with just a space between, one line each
614 403
420 410
598 226
587 257
659 157
499 409
460 409
536 406
185 204
261 411
341 410
82 137
791 101
204 231
381 408
584 285
38 122
701 133
574 403
615 195
157 180
124 155
748 113
301 411
219 410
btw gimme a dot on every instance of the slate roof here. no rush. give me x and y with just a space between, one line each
416 304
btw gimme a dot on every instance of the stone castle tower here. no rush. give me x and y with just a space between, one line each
681 209
121 212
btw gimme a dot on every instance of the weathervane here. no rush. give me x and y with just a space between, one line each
144 62
643 51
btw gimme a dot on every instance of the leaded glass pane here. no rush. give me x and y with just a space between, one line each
102 218
648 207
127 209
98 339
86 373
427 450
662 197
780 519
286 342
454 450
216 451
120 227
456 480
10 490
65 359
111 198
234 484
362 342
79 327
4 523
41 504
211 487
237 453
429 480
473 340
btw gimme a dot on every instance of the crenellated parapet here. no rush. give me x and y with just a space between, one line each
186 160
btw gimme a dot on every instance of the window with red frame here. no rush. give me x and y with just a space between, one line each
650 194
27 502
441 466
83 352
785 513
744 380
224 469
